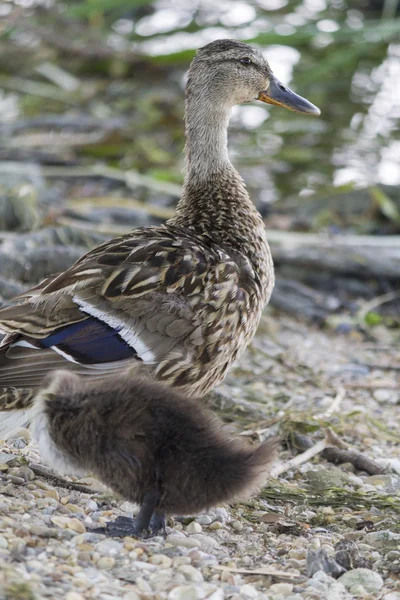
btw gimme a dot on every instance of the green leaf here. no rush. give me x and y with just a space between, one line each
386 205
373 318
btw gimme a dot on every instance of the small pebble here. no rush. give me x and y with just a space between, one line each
178 540
237 526
131 595
190 573
371 581
194 527
91 506
76 525
73 508
109 547
222 514
15 480
74 596
181 560
206 542
383 539
194 592
61 522
248 591
382 395
214 526
26 473
106 563
53 494
161 559
281 588
204 520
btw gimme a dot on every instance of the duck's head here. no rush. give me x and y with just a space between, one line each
228 72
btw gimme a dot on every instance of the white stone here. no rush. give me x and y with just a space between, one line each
248 591
281 588
371 581
204 520
106 562
74 596
91 505
237 526
181 540
194 527
109 547
205 541
187 592
191 574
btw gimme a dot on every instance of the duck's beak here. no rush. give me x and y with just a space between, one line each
280 95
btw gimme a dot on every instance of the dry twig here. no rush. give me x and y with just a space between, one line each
338 456
69 485
312 451
262 571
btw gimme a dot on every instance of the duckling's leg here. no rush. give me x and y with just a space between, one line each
157 524
146 520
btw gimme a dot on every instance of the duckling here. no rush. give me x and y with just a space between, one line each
148 442
183 299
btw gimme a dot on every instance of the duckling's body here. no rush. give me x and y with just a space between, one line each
182 300
149 443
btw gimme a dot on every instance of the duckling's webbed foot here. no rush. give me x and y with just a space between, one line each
147 522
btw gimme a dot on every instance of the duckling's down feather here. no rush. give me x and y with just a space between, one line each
140 437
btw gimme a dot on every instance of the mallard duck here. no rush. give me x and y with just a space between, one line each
183 299
148 442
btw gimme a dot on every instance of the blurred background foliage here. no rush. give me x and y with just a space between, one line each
126 59
91 127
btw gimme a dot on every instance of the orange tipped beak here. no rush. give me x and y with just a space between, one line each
280 95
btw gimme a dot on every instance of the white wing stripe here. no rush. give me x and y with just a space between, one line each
131 337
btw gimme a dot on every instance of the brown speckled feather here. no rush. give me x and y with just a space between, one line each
182 300
166 286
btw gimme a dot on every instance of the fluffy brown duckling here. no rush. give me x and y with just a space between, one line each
147 442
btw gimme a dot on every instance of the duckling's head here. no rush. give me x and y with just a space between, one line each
228 72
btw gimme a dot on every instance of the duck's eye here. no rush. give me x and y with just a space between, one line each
246 61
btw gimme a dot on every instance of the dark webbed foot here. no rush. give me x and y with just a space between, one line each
126 526
148 522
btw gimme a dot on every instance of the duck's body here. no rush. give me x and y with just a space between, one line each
163 297
183 299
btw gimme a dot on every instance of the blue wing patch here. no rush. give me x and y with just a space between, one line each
90 342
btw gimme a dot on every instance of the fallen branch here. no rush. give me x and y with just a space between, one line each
334 407
362 256
300 459
337 455
69 485
375 303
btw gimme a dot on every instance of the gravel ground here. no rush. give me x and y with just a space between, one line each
318 532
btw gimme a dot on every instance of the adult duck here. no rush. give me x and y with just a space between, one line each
182 299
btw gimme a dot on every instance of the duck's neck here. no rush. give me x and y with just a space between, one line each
206 139
215 202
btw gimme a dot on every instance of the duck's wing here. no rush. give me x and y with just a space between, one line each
145 296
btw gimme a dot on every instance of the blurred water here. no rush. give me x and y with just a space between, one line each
328 51
340 55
